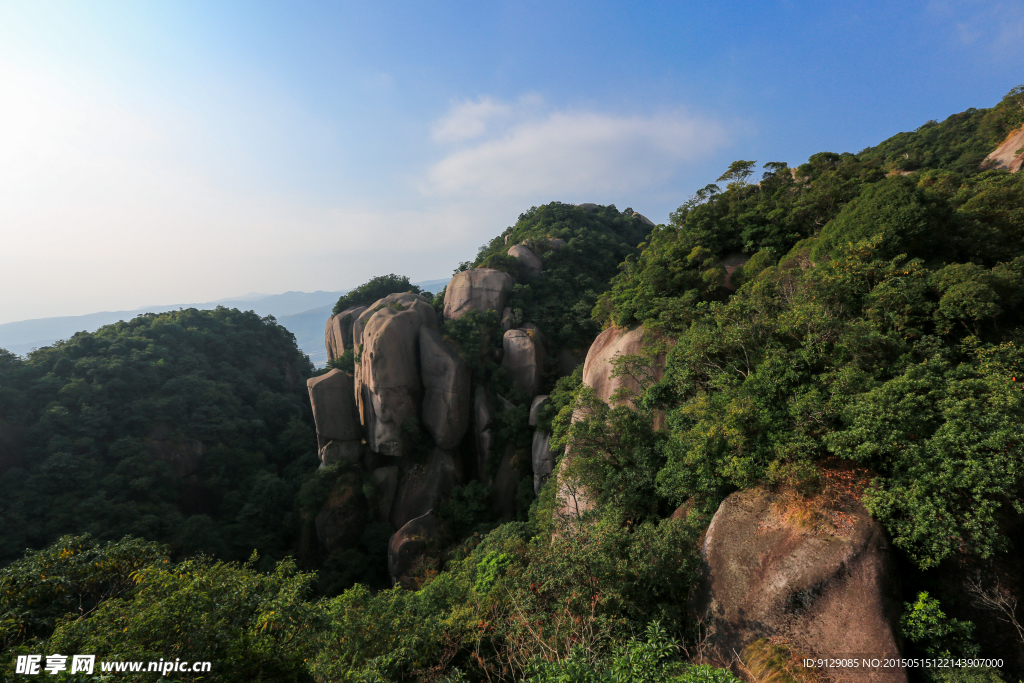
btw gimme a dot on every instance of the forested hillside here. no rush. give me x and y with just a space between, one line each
832 356
191 428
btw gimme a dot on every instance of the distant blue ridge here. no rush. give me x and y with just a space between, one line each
304 314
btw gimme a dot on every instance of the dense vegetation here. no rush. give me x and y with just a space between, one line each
877 319
560 298
192 428
374 289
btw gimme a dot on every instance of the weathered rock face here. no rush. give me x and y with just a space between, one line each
484 445
424 486
477 289
507 319
385 479
824 590
184 455
411 541
731 263
338 335
556 243
529 264
334 408
543 460
598 371
340 522
335 452
446 398
610 344
1006 154
524 360
387 383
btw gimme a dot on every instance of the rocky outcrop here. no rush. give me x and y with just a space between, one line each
334 408
340 522
338 334
542 460
589 206
644 219
1008 155
529 264
424 486
477 289
446 397
523 360
825 587
388 387
508 319
415 538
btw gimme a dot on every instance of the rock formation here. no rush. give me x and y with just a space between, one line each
599 367
529 264
385 480
424 486
341 521
1009 154
388 385
824 588
334 411
524 360
644 219
542 460
535 407
446 397
338 334
478 289
410 542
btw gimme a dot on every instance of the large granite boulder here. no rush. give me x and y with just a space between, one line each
340 522
416 537
599 373
529 264
388 388
446 397
523 359
825 585
599 367
334 407
424 486
477 289
1009 154
338 334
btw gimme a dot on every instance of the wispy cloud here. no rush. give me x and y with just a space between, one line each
517 152
996 26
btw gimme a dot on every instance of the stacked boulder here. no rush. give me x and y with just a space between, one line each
404 423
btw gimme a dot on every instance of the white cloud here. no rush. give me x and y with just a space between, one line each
469 119
567 153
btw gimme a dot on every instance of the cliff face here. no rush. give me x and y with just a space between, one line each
1009 155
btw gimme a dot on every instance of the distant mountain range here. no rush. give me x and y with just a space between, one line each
304 314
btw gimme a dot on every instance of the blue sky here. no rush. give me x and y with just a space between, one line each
161 152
